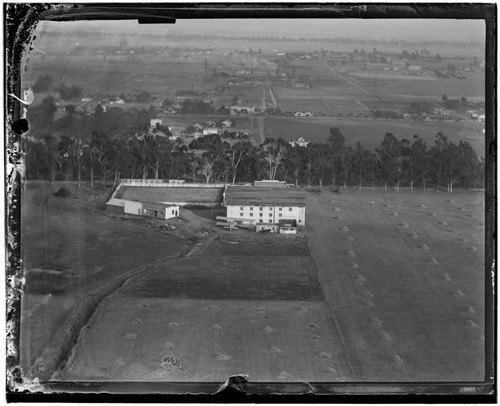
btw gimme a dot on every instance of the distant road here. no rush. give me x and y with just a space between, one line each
273 99
349 81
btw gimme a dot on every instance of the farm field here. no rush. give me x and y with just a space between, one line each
370 132
70 250
264 307
254 307
403 276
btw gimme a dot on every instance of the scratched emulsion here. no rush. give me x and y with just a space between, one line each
20 21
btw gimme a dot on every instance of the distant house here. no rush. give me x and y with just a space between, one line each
154 121
266 204
301 142
375 66
406 116
414 68
211 124
234 110
208 131
300 85
227 123
119 101
198 127
481 117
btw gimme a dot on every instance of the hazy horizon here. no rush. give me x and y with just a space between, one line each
377 29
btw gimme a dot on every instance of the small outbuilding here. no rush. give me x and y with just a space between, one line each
151 209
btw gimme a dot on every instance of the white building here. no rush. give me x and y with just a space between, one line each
301 142
266 204
150 209
155 121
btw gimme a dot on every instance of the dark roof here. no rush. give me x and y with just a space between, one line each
195 195
264 196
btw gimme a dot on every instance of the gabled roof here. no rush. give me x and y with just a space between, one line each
264 196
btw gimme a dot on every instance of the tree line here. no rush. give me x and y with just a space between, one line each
116 143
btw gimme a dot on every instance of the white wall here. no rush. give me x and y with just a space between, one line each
270 214
131 207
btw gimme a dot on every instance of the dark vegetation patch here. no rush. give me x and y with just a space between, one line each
261 268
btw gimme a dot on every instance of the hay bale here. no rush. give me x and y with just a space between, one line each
425 247
422 205
269 330
404 224
446 277
433 261
369 303
360 279
337 209
395 214
351 253
458 293
471 324
349 238
372 202
345 228
354 266
412 235
63 192
444 223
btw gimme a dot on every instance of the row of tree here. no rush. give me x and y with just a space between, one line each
102 145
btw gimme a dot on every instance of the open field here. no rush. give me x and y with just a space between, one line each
69 250
247 307
254 307
370 132
403 274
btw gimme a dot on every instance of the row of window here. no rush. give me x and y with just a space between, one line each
270 214
269 207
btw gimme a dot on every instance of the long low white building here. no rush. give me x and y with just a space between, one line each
266 204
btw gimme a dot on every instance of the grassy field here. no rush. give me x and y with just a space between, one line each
403 274
70 249
370 132
254 307
393 292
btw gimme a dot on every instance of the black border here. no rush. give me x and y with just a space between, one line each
19 22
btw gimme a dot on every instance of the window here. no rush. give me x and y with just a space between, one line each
281 215
289 209
270 214
260 221
251 214
173 211
251 208
260 214
241 208
300 221
270 208
261 208
241 214
281 208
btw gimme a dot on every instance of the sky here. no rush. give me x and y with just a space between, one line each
410 29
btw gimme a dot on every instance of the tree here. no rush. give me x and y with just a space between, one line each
237 148
212 150
274 154
362 164
463 101
390 159
103 152
444 98
335 145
